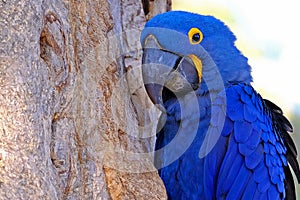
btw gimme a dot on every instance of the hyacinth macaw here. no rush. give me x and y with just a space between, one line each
217 137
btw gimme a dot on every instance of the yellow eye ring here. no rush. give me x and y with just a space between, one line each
195 36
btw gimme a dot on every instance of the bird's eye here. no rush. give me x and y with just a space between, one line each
195 36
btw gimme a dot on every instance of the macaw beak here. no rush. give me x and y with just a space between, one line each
167 71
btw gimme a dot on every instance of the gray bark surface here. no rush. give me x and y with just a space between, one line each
75 121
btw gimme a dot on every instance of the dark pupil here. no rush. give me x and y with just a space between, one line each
196 37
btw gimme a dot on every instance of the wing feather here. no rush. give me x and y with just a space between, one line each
254 165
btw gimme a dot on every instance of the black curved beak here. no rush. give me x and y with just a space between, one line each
164 69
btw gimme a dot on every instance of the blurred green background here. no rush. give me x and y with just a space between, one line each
268 35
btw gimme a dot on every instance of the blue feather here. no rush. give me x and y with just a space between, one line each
255 158
242 131
230 168
254 139
249 113
244 150
261 175
250 145
252 148
211 166
273 193
240 183
250 189
265 136
227 128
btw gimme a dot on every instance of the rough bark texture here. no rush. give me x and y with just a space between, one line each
75 119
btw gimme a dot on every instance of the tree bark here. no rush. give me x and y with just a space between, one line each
75 120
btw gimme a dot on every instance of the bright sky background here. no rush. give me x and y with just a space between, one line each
268 33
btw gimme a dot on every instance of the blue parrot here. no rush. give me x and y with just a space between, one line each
217 138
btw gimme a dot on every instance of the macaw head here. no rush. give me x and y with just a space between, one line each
184 52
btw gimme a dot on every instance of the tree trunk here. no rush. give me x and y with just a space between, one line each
75 120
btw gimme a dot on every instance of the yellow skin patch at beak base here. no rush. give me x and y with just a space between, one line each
198 65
